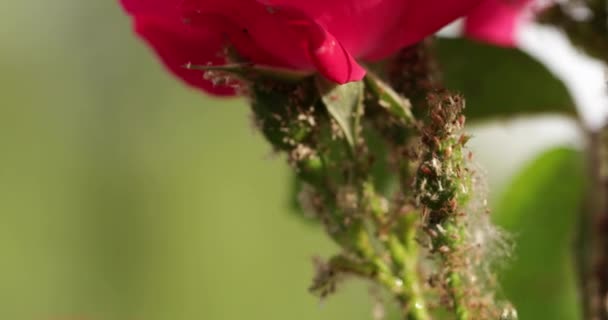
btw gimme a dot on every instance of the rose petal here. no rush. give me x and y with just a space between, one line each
326 53
495 21
157 7
304 35
279 36
178 44
358 25
330 58
421 19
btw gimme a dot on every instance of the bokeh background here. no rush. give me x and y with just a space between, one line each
126 196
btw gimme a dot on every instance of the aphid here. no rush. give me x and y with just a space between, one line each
509 313
271 10
426 170
448 152
461 120
437 142
464 139
437 119
433 280
452 205
441 229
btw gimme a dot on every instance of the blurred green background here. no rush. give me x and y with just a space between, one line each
125 195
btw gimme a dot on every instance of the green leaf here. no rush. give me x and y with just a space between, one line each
344 104
500 82
540 209
389 99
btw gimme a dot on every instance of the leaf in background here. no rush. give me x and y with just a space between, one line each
343 103
540 209
500 82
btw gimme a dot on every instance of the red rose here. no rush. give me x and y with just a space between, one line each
496 21
326 36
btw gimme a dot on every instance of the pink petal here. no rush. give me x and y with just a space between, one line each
357 24
157 7
421 19
495 21
326 53
178 44
333 61
278 36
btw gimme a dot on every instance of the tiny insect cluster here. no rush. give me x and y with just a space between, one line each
390 180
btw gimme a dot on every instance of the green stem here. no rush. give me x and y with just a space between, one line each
592 243
404 257
594 233
406 262
450 249
442 180
456 288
